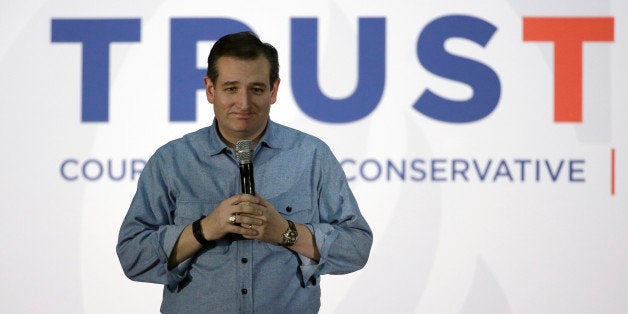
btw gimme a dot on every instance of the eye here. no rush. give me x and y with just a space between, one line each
258 90
231 90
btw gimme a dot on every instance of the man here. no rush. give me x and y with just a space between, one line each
217 251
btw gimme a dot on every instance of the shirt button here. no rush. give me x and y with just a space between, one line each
244 260
289 208
244 291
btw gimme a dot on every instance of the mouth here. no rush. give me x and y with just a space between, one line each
242 115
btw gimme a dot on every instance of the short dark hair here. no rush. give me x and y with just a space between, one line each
246 46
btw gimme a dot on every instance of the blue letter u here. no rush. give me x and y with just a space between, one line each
371 72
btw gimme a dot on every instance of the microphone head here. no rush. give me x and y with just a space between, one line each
244 151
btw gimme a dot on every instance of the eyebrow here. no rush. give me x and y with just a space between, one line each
231 83
228 83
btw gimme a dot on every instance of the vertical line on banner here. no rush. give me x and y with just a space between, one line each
612 171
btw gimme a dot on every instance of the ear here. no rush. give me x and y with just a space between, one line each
273 93
209 89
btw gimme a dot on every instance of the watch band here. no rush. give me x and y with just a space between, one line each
197 230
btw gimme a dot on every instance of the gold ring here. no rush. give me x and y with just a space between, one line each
232 219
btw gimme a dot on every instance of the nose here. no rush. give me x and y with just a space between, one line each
242 101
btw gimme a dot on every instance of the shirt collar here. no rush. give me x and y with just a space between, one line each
216 145
270 139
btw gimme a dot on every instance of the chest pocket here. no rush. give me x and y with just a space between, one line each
189 211
297 207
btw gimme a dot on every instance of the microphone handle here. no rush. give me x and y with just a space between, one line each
246 178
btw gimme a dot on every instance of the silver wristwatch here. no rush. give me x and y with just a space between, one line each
290 237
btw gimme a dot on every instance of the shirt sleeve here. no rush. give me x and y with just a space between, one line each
148 232
342 235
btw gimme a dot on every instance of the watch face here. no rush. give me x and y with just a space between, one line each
290 236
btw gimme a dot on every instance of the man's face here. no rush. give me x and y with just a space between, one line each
242 97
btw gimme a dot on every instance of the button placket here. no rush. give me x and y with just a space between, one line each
246 270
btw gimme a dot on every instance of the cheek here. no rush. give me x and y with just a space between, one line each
219 110
262 101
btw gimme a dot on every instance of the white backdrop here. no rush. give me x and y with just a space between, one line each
487 218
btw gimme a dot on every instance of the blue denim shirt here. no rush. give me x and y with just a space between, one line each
190 176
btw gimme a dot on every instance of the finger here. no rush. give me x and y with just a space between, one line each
247 230
249 208
251 220
263 202
239 198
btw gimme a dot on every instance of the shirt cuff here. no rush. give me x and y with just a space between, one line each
324 235
167 238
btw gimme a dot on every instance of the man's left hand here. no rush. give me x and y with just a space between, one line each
273 226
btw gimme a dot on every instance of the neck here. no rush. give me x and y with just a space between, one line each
231 142
233 145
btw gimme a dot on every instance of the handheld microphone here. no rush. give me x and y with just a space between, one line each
244 153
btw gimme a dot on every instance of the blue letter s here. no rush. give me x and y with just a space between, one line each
482 79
